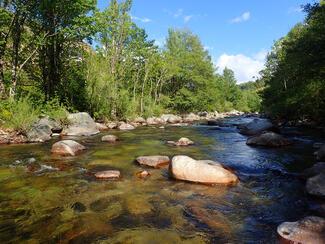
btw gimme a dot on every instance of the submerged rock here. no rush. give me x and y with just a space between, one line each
200 171
126 126
110 138
67 148
268 139
310 229
320 154
80 124
255 127
79 207
108 174
181 142
156 161
143 174
316 185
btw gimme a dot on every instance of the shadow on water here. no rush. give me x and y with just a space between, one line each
66 204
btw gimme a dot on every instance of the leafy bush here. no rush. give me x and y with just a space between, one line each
19 114
55 111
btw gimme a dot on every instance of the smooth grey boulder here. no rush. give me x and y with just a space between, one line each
200 171
80 124
39 133
268 139
255 127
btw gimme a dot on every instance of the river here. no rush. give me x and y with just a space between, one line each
58 199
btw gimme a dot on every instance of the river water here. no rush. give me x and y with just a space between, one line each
58 200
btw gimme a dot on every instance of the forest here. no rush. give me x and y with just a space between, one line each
57 57
74 57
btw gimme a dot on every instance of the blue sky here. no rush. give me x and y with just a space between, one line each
237 33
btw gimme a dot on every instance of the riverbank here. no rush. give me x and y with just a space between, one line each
82 124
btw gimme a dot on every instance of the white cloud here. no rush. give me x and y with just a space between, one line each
242 18
187 18
143 20
178 13
244 67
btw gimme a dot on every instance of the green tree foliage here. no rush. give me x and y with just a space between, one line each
47 59
295 70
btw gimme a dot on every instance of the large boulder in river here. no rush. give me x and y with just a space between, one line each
67 148
42 130
171 118
200 171
255 127
316 185
156 161
320 154
310 229
268 139
80 124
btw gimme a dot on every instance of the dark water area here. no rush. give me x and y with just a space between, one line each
61 201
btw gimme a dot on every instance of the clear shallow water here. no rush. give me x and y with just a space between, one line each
70 206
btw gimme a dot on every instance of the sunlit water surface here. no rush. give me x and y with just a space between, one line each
70 206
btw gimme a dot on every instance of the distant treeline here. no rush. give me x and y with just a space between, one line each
102 62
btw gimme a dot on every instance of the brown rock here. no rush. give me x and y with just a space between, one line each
67 148
156 161
108 174
112 125
101 127
200 171
110 138
310 229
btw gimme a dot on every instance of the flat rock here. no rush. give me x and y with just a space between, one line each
110 138
108 174
156 161
80 124
200 171
316 185
255 127
67 148
126 126
268 139
309 230
181 142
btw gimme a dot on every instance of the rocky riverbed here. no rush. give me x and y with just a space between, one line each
129 184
